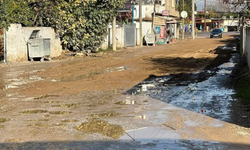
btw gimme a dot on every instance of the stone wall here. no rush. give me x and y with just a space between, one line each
18 36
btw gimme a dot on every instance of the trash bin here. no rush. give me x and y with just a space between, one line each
38 47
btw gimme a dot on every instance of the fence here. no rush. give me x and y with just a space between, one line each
130 35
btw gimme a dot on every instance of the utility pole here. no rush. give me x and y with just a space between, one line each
153 18
193 21
205 14
5 45
114 34
140 15
183 26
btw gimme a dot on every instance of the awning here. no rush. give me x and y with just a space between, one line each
159 21
171 21
168 19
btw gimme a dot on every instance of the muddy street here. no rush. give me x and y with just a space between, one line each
176 96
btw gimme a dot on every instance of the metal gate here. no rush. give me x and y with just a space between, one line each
130 35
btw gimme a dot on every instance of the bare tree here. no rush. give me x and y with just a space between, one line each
238 6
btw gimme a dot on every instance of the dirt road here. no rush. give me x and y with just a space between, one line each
169 96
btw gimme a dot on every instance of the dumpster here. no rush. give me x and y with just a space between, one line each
38 47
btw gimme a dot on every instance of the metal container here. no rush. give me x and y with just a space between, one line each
38 47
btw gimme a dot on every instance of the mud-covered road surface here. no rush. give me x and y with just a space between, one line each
176 96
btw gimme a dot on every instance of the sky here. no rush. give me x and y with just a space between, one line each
200 3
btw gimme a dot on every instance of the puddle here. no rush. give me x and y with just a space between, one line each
70 120
114 69
101 127
50 102
45 111
121 103
46 96
150 134
16 83
206 92
34 111
14 78
10 94
38 120
59 112
106 115
66 105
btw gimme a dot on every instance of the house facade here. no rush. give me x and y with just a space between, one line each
165 20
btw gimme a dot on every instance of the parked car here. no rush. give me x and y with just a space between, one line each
216 33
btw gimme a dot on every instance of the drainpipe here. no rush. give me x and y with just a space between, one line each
5 47
133 14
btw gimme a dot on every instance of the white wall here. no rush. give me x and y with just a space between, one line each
16 46
119 38
17 38
146 27
147 10
231 22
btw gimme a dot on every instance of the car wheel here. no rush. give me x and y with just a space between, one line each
221 36
211 37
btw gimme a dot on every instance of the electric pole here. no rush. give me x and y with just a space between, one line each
193 20
140 15
114 34
153 17
205 14
183 26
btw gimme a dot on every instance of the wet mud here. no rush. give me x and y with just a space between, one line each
106 115
66 105
2 120
45 111
101 127
157 118
207 91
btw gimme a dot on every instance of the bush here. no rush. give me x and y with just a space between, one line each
81 25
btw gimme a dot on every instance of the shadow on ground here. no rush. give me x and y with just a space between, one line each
206 91
179 64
